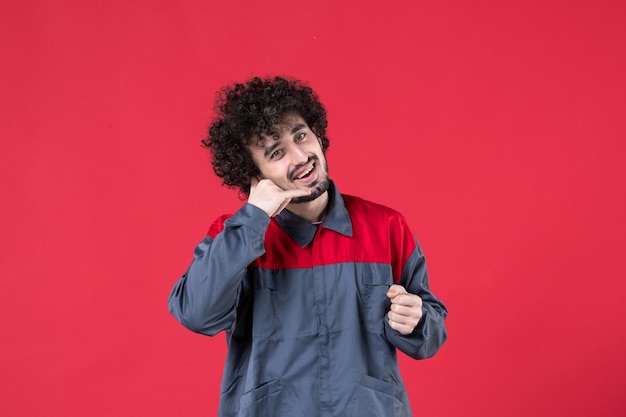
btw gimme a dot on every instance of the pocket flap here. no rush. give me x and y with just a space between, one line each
264 281
377 279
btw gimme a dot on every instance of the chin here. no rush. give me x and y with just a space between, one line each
319 189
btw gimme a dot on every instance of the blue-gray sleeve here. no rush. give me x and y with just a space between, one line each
205 298
430 333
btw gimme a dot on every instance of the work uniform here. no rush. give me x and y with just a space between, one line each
304 309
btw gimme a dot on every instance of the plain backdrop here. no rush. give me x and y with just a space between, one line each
496 127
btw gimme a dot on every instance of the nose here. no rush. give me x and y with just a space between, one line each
298 155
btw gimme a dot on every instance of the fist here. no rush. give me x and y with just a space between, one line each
405 311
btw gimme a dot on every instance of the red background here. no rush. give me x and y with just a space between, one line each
496 127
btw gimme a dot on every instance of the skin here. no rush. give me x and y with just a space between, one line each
286 152
289 149
405 311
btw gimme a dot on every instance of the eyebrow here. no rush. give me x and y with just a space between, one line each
297 127
269 150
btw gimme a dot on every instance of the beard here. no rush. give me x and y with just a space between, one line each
320 188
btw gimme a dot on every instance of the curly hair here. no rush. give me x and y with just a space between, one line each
247 111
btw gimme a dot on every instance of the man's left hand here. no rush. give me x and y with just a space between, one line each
406 309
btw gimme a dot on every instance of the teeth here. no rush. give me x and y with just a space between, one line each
305 173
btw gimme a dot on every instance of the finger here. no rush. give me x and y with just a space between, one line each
281 207
401 328
395 290
253 183
289 194
410 300
410 320
403 321
403 310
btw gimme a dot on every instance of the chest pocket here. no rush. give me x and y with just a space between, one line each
284 304
375 280
263 317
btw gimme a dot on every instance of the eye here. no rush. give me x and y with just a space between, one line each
276 154
300 137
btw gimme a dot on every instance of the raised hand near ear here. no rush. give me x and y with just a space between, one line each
269 197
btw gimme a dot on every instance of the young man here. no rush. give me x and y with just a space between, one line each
316 290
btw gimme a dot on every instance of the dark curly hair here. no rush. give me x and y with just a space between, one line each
246 111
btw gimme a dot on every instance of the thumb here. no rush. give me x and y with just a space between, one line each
395 290
254 181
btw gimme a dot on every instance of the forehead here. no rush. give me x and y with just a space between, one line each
286 123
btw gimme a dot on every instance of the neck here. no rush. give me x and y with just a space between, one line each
313 211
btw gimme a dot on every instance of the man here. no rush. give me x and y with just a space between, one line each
316 290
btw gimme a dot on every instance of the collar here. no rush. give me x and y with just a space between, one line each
303 232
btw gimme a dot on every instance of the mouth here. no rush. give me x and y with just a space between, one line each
306 173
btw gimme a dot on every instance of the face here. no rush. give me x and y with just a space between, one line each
291 156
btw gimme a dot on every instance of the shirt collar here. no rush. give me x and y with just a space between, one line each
303 232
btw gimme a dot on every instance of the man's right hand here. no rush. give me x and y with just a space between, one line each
270 198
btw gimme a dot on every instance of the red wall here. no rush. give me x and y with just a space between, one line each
496 127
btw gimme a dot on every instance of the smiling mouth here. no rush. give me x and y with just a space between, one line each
305 173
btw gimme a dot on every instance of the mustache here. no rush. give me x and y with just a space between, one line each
310 159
